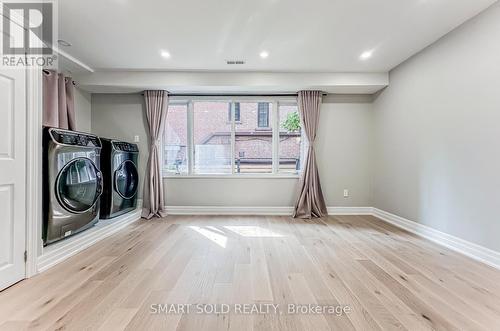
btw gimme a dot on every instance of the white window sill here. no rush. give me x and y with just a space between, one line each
231 176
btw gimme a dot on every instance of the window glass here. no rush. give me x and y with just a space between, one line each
236 112
263 114
175 156
212 137
253 142
290 142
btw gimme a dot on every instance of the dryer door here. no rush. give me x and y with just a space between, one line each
126 180
79 185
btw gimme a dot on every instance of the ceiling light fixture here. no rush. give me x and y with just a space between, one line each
366 55
64 43
264 54
165 54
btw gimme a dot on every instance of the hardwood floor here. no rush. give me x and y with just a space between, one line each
388 278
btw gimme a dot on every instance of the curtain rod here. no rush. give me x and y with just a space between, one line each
233 95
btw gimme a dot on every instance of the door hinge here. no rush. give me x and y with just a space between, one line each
25 256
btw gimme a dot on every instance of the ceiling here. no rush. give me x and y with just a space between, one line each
299 35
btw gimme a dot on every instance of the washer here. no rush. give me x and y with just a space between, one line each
121 178
72 182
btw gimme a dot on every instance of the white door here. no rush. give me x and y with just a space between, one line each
12 175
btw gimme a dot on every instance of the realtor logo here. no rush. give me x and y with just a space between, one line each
27 28
28 31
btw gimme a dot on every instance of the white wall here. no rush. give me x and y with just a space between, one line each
343 151
83 110
437 135
121 116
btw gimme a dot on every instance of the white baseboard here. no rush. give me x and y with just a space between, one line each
223 210
284 211
350 210
477 252
60 251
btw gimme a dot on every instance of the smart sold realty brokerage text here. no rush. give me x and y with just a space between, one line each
249 309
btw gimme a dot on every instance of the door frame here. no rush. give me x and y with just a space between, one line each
34 108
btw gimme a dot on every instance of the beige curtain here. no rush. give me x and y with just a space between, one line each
310 202
156 113
58 101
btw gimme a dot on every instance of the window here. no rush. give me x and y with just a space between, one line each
175 139
237 117
211 137
253 149
207 136
290 142
263 116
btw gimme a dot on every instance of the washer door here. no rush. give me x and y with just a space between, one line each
79 185
126 180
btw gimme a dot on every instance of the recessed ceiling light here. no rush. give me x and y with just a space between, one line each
366 55
63 43
165 54
264 54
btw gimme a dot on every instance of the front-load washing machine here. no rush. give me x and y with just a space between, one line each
121 178
72 182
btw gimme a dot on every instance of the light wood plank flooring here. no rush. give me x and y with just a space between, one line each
389 279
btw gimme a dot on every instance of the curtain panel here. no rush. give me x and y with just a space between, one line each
310 202
58 101
156 112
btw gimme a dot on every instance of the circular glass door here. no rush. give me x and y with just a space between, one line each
126 179
78 185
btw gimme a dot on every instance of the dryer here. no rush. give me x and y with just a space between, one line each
121 178
72 182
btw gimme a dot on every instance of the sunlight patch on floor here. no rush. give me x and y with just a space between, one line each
215 237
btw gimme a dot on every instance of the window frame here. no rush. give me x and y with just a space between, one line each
232 100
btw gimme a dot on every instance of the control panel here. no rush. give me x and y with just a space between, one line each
125 147
75 138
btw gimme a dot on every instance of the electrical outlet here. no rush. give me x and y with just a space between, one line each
346 193
136 139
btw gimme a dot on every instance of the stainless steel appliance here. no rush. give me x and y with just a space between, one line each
121 179
72 182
